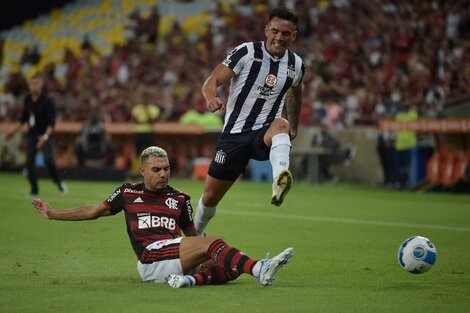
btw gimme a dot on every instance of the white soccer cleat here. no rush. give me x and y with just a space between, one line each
63 189
269 267
281 186
175 281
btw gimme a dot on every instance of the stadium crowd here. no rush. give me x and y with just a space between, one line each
360 55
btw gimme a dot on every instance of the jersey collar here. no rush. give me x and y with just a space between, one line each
273 57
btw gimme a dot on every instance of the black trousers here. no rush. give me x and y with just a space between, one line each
48 150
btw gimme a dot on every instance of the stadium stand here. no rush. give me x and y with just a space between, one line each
361 55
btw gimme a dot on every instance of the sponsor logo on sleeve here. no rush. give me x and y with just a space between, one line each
190 209
114 195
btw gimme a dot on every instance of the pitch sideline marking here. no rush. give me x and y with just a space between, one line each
343 220
309 217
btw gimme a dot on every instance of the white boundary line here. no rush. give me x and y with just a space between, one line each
342 220
81 200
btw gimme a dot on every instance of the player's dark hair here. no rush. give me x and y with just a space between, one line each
284 14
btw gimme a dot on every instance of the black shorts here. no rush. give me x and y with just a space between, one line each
233 152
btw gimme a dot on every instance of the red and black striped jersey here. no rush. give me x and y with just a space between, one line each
151 216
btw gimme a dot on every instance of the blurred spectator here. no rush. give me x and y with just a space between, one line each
136 22
93 143
144 114
464 81
335 154
356 52
87 47
405 144
30 55
386 140
16 85
152 26
6 101
2 44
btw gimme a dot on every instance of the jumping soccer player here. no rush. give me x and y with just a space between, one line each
262 111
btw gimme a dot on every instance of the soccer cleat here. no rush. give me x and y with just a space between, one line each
269 267
175 281
281 186
63 189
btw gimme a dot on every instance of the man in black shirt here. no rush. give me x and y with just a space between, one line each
39 116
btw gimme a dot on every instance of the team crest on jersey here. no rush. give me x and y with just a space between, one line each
220 157
171 203
291 71
270 80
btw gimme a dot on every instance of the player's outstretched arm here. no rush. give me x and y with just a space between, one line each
84 212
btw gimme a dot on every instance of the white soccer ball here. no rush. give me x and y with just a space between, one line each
417 255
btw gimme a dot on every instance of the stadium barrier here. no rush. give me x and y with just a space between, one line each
427 125
183 143
366 167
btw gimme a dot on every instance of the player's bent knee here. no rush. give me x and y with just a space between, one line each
280 125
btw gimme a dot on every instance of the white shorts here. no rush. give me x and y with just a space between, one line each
157 271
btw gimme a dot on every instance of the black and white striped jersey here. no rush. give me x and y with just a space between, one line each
258 90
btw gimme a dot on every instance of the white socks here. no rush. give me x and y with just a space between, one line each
203 216
279 158
279 155
189 281
256 269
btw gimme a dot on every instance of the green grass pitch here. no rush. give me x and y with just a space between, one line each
346 239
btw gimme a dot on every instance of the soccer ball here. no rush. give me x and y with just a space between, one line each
417 255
